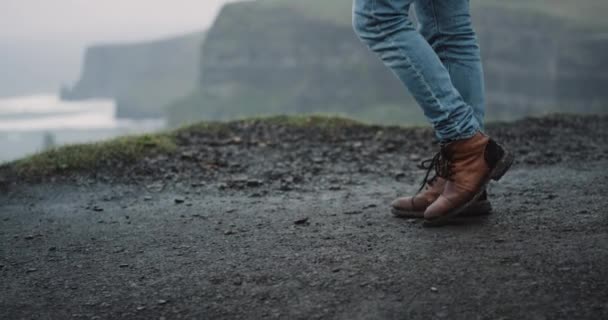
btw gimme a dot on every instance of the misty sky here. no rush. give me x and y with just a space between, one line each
102 20
42 41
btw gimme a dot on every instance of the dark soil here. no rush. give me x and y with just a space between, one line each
264 220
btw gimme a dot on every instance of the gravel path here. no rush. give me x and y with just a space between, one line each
298 228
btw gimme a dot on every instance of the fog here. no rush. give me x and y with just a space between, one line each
42 41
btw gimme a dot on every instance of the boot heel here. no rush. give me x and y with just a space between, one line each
502 166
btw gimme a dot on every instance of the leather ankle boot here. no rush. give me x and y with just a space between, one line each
413 207
468 166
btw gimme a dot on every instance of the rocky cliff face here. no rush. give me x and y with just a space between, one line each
142 77
260 58
263 59
535 64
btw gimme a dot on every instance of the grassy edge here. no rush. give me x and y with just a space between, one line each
128 149
90 156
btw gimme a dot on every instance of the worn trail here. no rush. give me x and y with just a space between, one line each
313 244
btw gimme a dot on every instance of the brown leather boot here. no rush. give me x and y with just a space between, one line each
468 166
414 206
430 190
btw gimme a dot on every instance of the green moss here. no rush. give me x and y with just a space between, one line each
83 157
314 120
91 156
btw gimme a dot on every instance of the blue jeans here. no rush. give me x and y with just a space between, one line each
440 64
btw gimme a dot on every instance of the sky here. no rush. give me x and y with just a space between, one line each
42 41
103 20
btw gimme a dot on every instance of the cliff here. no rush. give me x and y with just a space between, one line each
280 56
141 77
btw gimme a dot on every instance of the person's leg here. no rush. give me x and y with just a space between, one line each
384 25
448 28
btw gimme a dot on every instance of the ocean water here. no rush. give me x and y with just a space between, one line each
32 123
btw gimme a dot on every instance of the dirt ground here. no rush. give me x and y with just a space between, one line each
267 220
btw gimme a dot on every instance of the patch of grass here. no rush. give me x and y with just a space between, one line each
314 120
124 150
91 156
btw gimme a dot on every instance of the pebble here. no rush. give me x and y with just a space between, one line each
147 198
415 157
30 270
434 289
254 183
123 265
161 302
353 212
301 221
179 200
400 175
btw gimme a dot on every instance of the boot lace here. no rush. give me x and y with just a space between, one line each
440 164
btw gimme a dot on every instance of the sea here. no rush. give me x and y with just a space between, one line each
31 124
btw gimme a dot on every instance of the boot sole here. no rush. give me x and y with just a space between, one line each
480 208
502 166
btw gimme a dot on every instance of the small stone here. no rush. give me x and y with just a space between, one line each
434 289
52 248
97 209
370 206
30 270
550 197
400 175
141 308
161 302
147 198
301 221
353 212
254 183
415 157
229 232
179 200
29 237
123 265
187 155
